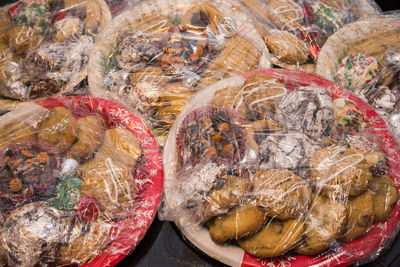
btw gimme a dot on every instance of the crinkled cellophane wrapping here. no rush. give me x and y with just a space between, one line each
285 166
365 57
44 45
157 54
295 31
279 169
80 179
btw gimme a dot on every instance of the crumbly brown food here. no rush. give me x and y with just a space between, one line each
91 131
237 223
59 128
385 195
339 171
111 183
324 224
282 193
287 47
361 216
121 146
274 238
221 199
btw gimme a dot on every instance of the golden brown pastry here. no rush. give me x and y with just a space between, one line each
111 183
16 132
256 129
324 224
339 171
121 146
5 21
91 131
22 38
287 47
151 78
262 93
258 96
238 56
227 195
84 242
230 97
282 193
58 128
4 51
237 223
202 15
274 238
385 195
339 4
360 216
285 14
173 97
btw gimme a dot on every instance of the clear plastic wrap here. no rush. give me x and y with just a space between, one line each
81 180
296 30
45 45
365 57
157 54
282 167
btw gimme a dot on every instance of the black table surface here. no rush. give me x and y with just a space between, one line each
164 245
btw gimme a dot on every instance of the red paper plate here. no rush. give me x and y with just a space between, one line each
376 238
381 233
128 232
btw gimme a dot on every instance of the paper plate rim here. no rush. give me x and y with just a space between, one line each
348 253
142 217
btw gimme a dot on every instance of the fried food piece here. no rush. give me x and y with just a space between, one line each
325 223
287 47
237 223
111 183
274 238
58 128
121 146
385 195
339 171
282 193
361 216
91 131
221 199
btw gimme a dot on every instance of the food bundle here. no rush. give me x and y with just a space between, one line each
278 164
159 53
295 31
364 57
70 173
263 167
45 45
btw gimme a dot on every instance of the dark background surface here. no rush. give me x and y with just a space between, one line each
164 245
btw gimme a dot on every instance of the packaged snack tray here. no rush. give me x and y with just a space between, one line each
157 54
81 181
45 44
295 31
282 168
